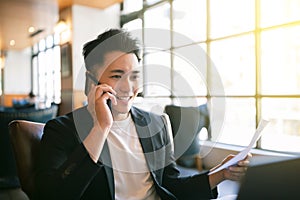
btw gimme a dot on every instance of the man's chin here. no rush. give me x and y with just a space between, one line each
121 110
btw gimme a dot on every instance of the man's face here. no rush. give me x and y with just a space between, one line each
121 72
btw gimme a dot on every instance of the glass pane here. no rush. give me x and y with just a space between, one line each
186 101
239 124
49 74
35 75
279 12
155 105
133 25
231 17
132 5
280 61
42 45
158 18
49 41
42 75
283 131
57 80
234 60
35 48
189 77
157 81
1 82
189 19
56 38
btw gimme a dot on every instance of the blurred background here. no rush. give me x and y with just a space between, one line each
254 45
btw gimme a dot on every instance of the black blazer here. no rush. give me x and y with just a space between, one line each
66 171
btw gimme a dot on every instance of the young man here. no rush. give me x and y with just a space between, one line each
111 149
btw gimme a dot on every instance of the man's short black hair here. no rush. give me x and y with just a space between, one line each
111 40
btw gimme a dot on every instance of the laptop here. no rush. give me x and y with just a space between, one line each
275 179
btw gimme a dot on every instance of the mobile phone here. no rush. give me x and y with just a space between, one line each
93 78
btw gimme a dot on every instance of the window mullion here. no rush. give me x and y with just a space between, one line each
257 33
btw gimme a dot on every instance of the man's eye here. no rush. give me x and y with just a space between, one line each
116 76
134 77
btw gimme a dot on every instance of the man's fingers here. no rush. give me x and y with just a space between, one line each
108 95
235 173
237 169
102 89
243 163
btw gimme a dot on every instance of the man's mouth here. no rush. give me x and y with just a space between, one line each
123 98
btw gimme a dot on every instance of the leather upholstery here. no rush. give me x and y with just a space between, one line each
25 138
187 123
13 194
8 171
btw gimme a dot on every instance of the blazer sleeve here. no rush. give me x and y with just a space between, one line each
191 187
65 168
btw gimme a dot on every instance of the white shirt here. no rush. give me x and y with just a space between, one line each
131 174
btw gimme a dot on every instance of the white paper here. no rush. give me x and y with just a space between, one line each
242 155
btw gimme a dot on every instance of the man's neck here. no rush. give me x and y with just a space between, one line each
120 116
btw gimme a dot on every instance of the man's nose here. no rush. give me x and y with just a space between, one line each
125 85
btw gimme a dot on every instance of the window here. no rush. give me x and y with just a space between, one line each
2 63
184 13
234 59
230 17
252 47
46 70
1 81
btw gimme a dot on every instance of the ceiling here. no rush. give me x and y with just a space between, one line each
16 16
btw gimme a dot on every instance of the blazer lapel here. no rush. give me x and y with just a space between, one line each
146 130
106 161
143 130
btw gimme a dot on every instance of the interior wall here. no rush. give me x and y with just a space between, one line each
17 72
17 77
86 23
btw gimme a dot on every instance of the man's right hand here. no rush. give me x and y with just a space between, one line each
97 105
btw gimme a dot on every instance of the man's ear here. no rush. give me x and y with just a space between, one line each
88 84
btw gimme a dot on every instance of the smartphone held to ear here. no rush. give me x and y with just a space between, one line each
97 83
109 104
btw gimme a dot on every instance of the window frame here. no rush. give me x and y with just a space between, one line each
257 32
56 71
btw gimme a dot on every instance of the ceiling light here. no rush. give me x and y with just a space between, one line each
31 29
60 26
12 43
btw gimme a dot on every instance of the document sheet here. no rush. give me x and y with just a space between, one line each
240 156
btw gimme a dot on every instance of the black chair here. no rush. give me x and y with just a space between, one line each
187 123
8 171
25 137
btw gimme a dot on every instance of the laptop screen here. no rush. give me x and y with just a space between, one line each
275 179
